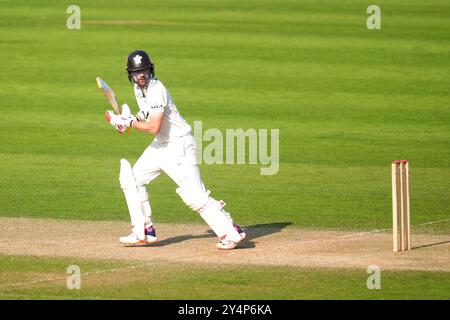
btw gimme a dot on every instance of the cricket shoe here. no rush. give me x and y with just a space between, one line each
150 235
133 240
229 244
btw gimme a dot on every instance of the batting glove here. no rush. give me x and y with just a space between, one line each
123 121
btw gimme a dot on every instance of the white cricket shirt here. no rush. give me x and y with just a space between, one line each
155 98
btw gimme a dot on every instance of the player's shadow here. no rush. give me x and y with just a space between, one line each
182 238
253 232
264 229
256 231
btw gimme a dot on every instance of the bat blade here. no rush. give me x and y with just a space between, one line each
109 94
111 97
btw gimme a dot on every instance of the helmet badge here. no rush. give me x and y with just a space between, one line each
137 59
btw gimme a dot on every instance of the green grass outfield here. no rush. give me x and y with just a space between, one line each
44 278
347 101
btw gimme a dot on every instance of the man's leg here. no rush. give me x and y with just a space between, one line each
133 182
128 185
193 193
146 169
150 232
181 166
145 204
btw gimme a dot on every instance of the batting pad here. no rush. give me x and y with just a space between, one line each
133 198
211 211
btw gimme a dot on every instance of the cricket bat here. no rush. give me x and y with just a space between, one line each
110 96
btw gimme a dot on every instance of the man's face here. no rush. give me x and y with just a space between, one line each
141 77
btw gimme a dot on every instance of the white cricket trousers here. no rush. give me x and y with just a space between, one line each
176 158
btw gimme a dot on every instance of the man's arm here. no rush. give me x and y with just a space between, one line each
153 126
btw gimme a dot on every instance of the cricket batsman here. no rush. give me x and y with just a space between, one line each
172 151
